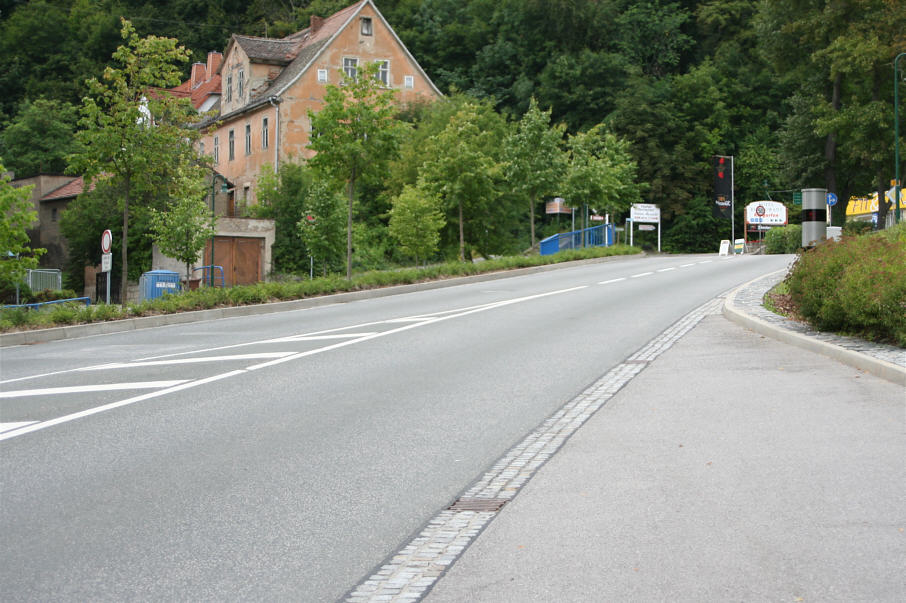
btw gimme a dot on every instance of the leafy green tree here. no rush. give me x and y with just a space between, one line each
415 221
132 137
321 225
281 197
462 167
16 216
601 172
182 230
535 162
355 134
40 137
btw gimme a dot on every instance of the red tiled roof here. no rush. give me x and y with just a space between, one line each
73 188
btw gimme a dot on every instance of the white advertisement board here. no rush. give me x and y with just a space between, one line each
769 213
645 212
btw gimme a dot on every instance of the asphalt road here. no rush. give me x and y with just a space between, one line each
284 456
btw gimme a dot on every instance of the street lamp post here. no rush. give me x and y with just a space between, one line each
896 121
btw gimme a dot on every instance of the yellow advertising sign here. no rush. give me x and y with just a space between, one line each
863 206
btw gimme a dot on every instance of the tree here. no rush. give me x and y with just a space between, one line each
415 221
321 226
462 167
182 230
134 135
355 134
535 162
39 138
282 197
16 216
601 172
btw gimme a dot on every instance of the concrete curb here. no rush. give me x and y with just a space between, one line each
148 322
876 366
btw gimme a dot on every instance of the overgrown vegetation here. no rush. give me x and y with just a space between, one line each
214 297
856 286
785 239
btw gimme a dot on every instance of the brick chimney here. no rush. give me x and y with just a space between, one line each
198 75
316 23
214 60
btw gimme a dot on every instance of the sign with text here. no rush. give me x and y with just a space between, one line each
645 212
106 262
770 213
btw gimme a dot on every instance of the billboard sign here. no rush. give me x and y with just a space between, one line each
768 213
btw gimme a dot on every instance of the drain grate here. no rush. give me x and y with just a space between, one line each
481 505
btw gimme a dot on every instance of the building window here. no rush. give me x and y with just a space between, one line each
367 29
53 214
248 139
383 74
229 86
241 84
232 144
409 81
201 148
351 68
216 150
322 76
264 133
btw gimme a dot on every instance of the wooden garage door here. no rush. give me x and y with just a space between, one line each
241 258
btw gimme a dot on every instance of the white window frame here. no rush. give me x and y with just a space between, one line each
409 81
367 26
241 84
322 76
264 133
351 67
383 73
248 139
229 88
216 150
232 144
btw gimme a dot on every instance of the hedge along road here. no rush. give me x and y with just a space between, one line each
286 455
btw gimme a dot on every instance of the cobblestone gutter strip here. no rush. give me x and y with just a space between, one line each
413 570
744 306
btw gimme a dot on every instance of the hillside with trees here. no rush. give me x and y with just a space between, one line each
800 92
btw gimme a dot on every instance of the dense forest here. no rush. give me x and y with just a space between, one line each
800 92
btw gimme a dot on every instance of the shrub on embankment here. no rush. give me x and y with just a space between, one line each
785 239
855 286
205 298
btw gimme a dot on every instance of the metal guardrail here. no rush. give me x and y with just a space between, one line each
36 305
595 236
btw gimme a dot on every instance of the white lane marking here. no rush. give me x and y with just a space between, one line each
613 280
80 389
641 275
121 365
414 326
666 269
92 411
186 385
706 262
687 265
323 337
4 427
412 319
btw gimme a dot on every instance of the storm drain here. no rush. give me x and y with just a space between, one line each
411 572
481 505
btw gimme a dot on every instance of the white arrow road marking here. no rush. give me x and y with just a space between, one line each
80 389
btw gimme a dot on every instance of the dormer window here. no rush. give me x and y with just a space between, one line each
367 29
241 83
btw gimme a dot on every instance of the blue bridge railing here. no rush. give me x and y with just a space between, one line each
596 236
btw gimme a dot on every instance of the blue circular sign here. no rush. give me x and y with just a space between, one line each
831 199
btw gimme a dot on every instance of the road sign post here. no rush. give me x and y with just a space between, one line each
831 201
106 258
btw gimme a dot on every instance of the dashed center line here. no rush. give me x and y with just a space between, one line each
641 275
687 265
666 269
613 280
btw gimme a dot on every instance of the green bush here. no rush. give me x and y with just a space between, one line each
855 286
786 239
855 228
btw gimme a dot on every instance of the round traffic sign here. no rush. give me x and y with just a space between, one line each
831 199
106 241
760 211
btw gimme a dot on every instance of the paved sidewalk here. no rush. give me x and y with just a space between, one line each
733 467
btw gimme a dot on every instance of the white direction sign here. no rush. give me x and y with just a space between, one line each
645 212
